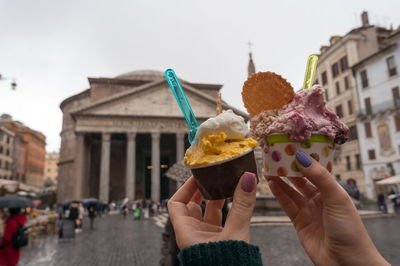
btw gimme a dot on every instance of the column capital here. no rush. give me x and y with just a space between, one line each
180 135
131 136
105 136
155 135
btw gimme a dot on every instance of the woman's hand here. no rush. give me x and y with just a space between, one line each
325 218
193 227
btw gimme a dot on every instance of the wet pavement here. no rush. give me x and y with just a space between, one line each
116 241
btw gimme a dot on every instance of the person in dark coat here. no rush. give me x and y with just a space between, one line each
92 215
8 254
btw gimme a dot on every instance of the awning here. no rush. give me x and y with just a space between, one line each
390 180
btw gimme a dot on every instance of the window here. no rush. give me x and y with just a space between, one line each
324 78
348 163
368 130
339 111
316 82
396 97
371 154
7 152
358 161
346 82
7 166
1 136
1 150
350 106
326 95
391 64
344 65
397 122
364 78
335 70
8 140
368 106
337 85
353 132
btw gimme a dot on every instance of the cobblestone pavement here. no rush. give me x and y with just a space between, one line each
114 241
126 242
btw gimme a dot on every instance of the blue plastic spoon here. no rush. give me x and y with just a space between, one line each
183 103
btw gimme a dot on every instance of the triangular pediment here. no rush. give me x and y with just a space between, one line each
155 100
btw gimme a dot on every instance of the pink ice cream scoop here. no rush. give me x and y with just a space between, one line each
307 114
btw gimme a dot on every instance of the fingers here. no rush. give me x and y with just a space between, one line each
213 213
194 207
186 192
304 186
286 202
319 176
243 204
177 204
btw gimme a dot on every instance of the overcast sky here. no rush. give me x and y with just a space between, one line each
51 47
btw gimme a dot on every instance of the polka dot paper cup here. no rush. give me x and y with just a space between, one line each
279 156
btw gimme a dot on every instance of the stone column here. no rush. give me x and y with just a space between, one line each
180 151
155 163
79 165
131 166
105 167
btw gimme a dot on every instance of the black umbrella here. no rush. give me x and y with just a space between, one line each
12 201
91 202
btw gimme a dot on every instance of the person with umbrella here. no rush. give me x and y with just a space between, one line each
9 253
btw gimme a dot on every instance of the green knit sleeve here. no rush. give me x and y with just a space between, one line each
221 253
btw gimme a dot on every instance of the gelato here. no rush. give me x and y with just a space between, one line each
304 115
219 138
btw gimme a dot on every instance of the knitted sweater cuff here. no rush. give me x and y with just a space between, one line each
221 253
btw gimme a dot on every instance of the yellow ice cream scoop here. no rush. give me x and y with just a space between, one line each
214 148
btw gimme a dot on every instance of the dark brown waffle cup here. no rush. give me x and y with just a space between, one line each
219 180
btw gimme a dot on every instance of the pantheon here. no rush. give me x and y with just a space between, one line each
122 134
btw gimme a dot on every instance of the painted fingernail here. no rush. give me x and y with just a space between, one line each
249 182
303 159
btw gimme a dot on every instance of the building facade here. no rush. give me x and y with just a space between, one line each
122 134
28 153
51 169
6 152
335 75
378 124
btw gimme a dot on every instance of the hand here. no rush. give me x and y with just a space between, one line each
325 218
192 227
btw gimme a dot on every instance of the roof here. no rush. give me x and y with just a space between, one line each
150 85
142 75
384 50
75 96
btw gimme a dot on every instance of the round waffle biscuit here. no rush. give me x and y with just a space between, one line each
266 91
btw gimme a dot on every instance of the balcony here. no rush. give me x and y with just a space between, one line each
380 108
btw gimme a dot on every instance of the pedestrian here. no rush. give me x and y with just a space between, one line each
92 215
381 202
324 216
137 212
9 255
81 211
124 211
74 215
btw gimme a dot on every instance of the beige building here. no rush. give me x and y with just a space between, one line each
6 152
51 169
335 75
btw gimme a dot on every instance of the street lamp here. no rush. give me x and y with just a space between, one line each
13 83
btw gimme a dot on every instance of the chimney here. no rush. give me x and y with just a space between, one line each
364 19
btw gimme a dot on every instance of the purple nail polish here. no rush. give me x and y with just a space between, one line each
248 182
303 159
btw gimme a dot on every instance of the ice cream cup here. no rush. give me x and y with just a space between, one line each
218 180
279 157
